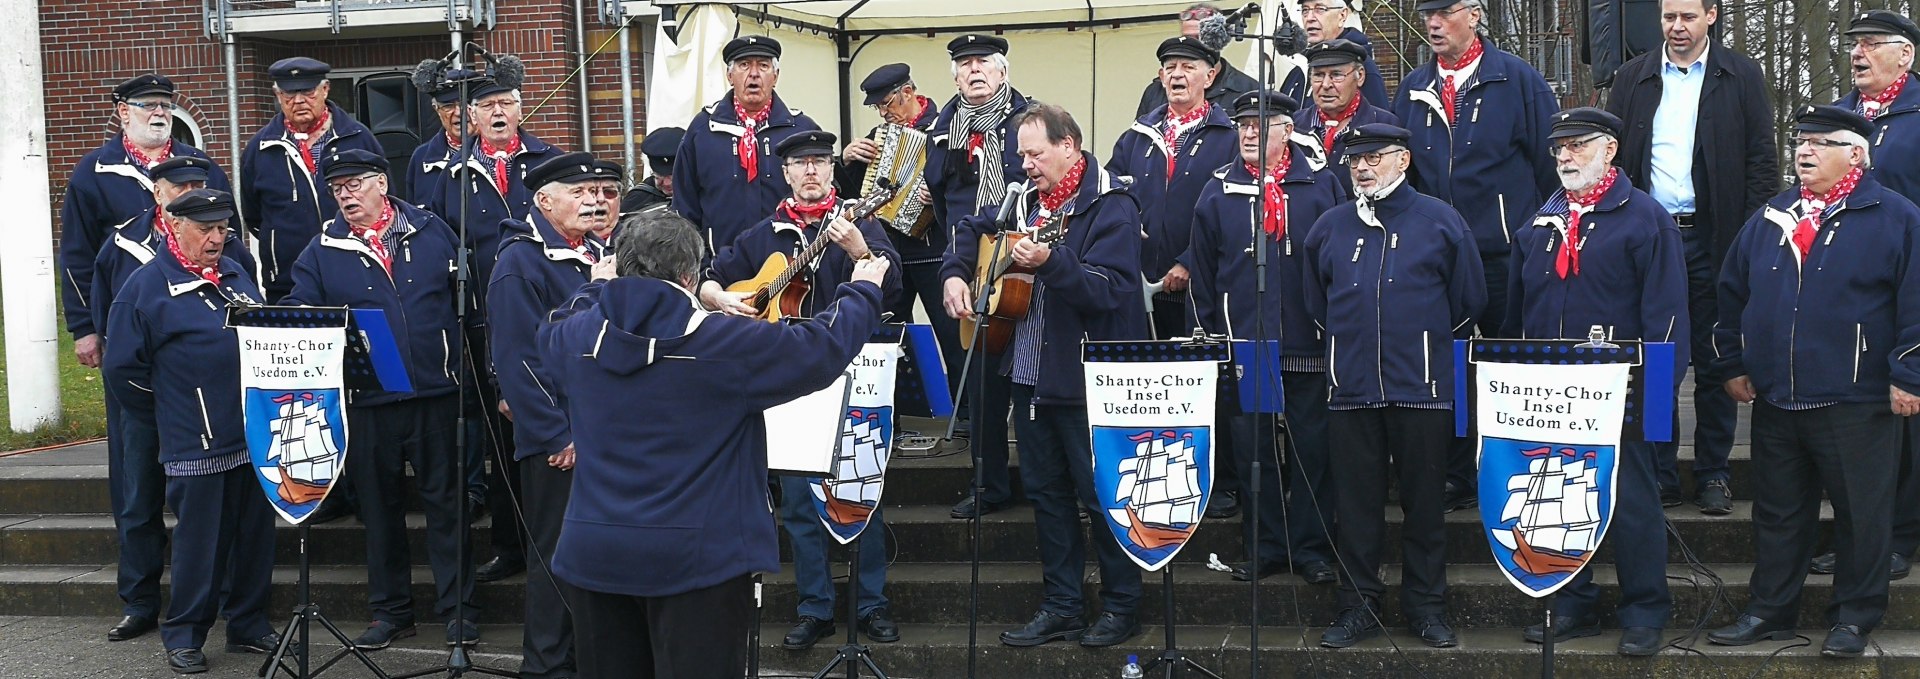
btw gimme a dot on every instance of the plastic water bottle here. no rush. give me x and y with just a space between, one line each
1132 670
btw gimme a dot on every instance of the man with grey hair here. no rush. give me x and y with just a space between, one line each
726 176
1328 20
1226 87
1819 315
282 200
1479 118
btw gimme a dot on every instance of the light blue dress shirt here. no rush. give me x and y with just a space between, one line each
1674 130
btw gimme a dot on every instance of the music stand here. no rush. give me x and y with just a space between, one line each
368 361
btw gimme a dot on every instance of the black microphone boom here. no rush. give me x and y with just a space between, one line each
1217 30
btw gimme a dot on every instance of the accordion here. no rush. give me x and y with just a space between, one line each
903 157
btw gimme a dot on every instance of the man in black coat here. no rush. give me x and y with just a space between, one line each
1693 110
1227 86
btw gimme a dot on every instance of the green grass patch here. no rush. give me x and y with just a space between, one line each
83 409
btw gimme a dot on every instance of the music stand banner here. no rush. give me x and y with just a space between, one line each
849 495
292 393
1150 409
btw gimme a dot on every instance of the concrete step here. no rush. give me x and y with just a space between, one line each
920 533
1480 596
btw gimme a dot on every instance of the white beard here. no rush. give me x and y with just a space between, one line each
1588 175
148 136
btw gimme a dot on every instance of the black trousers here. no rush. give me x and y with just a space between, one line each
1639 539
921 281
548 636
223 542
990 438
700 634
1850 451
1415 442
1463 454
1906 506
382 440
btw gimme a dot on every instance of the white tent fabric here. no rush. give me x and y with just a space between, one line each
1092 56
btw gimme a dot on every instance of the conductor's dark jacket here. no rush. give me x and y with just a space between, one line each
677 500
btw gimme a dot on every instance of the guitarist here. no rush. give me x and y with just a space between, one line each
807 160
1087 287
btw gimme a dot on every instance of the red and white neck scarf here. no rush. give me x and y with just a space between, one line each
145 161
1335 123
374 236
1051 200
1177 126
1813 207
806 214
1567 263
927 108
500 156
1449 94
1273 196
748 150
210 273
305 138
1873 106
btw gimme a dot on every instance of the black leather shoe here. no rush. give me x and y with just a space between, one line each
806 633
1460 497
1223 506
1246 571
462 633
1355 625
879 627
1639 642
331 509
1564 629
1748 629
500 568
130 627
263 645
1110 630
1844 641
1823 564
1670 497
381 634
1900 568
476 507
1045 627
1317 573
1434 631
186 660
1715 499
964 508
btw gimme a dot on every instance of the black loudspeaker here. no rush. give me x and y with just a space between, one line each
1617 31
399 117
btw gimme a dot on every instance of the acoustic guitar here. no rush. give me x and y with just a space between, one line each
1012 294
781 286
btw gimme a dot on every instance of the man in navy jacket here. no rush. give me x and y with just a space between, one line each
380 252
175 367
282 202
800 220
669 518
1393 278
1602 253
427 169
726 176
1225 301
545 261
1166 157
1819 320
1336 82
1327 21
971 164
1087 287
1479 119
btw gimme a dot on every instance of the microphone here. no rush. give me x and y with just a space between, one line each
1217 30
1288 38
1005 220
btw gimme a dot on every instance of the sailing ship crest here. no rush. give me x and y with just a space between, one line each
1557 505
847 499
1154 497
300 446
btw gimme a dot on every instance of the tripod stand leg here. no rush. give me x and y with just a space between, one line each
286 643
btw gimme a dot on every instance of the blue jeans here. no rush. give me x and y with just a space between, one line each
812 574
1714 410
1056 467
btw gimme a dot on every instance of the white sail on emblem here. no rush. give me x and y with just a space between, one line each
300 447
1159 491
1555 507
859 467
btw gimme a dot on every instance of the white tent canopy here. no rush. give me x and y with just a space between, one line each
1092 56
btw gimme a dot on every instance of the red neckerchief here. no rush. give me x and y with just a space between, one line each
1567 263
304 138
1335 123
1872 107
1447 91
1273 196
499 157
453 142
579 246
1062 192
1803 231
160 224
1171 128
372 236
749 155
805 214
974 141
145 161
210 273
926 109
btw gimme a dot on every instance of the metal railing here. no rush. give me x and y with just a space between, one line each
230 15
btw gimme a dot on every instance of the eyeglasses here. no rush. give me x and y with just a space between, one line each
353 185
1195 14
302 94
1868 45
154 105
1373 159
1431 13
1577 146
1250 125
811 163
1332 76
1818 142
886 103
1317 10
603 190
495 104
221 227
